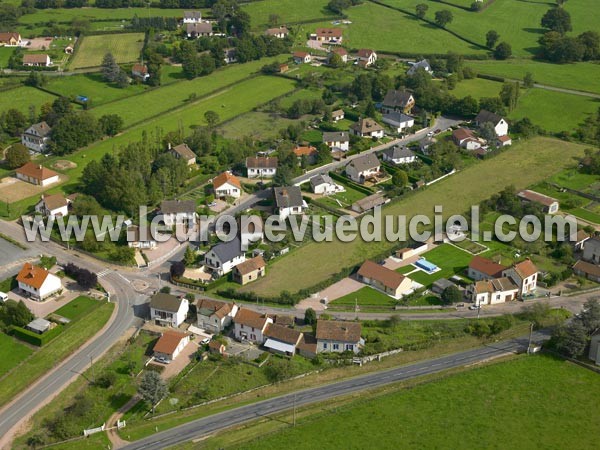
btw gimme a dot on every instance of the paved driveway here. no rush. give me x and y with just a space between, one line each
182 360
336 290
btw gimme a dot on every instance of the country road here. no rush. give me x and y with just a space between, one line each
217 422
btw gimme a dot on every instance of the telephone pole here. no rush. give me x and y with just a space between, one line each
530 337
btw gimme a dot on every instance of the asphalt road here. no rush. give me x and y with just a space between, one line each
217 422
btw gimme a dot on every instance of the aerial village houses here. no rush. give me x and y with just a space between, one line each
366 57
337 115
227 185
338 336
367 127
261 167
279 32
397 101
192 17
10 39
36 174
281 339
494 291
386 280
524 275
288 201
464 138
250 270
170 344
37 283
176 212
481 268
214 316
337 140
53 205
307 151
398 121
341 51
36 60
196 30
182 151
399 154
500 125
362 168
549 205
140 71
328 35
324 184
250 325
301 57
168 310
224 256
415 66
591 250
587 270
36 137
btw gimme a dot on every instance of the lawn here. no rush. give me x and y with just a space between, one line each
574 179
532 402
288 11
448 258
12 352
580 76
257 125
77 308
22 98
124 47
71 339
92 86
342 199
366 296
476 88
554 111
456 194
5 53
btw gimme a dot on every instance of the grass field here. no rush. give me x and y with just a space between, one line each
366 296
92 86
289 11
22 98
573 179
68 14
532 402
476 88
12 352
342 199
258 125
580 76
77 308
5 53
554 111
124 47
448 258
456 194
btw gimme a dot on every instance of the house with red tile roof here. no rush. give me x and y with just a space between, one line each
37 283
227 185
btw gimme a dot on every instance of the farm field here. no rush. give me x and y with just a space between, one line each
12 352
289 11
580 76
92 86
297 270
124 47
22 98
552 396
554 111
68 14
448 258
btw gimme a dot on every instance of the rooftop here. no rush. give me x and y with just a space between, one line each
336 330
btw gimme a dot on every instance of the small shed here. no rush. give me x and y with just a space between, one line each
39 326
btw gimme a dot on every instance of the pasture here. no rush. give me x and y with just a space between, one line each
12 352
476 88
288 11
545 399
22 98
66 15
456 194
124 47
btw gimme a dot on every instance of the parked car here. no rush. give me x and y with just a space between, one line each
472 307
162 359
205 341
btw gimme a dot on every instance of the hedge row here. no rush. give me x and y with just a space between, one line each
34 338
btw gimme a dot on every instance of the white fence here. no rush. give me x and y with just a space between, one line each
90 431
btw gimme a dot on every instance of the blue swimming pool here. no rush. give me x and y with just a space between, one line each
426 265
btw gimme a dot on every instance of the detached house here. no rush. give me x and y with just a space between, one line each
250 325
182 151
176 212
309 152
10 39
367 127
36 60
464 138
481 268
591 250
279 32
170 344
500 125
302 57
223 257
415 66
37 283
54 205
337 140
140 71
398 121
328 35
214 316
281 339
192 17
341 51
337 115
366 57
196 30
338 336
37 174
36 137
362 168
227 185
288 201
386 280
399 154
250 270
397 101
524 275
324 184
261 167
168 310
549 205
491 292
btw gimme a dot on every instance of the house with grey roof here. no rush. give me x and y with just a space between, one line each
196 30
36 137
337 140
367 127
324 184
175 212
398 121
415 66
224 256
399 154
168 310
499 123
397 101
362 168
192 17
288 201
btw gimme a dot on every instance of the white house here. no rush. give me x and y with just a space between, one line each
278 32
399 154
227 185
10 39
54 205
214 316
415 66
367 127
465 138
196 30
192 16
37 283
323 184
549 205
36 60
524 275
338 336
250 325
398 121
302 57
494 291
36 137
386 280
341 51
37 174
282 340
481 268
500 125
170 344
168 310
337 115
366 57
140 71
337 140
288 201
223 257
363 167
328 35
397 101
176 212
261 167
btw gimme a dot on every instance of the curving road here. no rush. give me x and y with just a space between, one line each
221 421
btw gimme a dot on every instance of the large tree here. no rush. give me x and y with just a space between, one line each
503 51
451 295
16 156
443 17
110 68
491 37
152 388
421 10
557 19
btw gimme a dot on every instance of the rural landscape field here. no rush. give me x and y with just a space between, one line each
422 265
